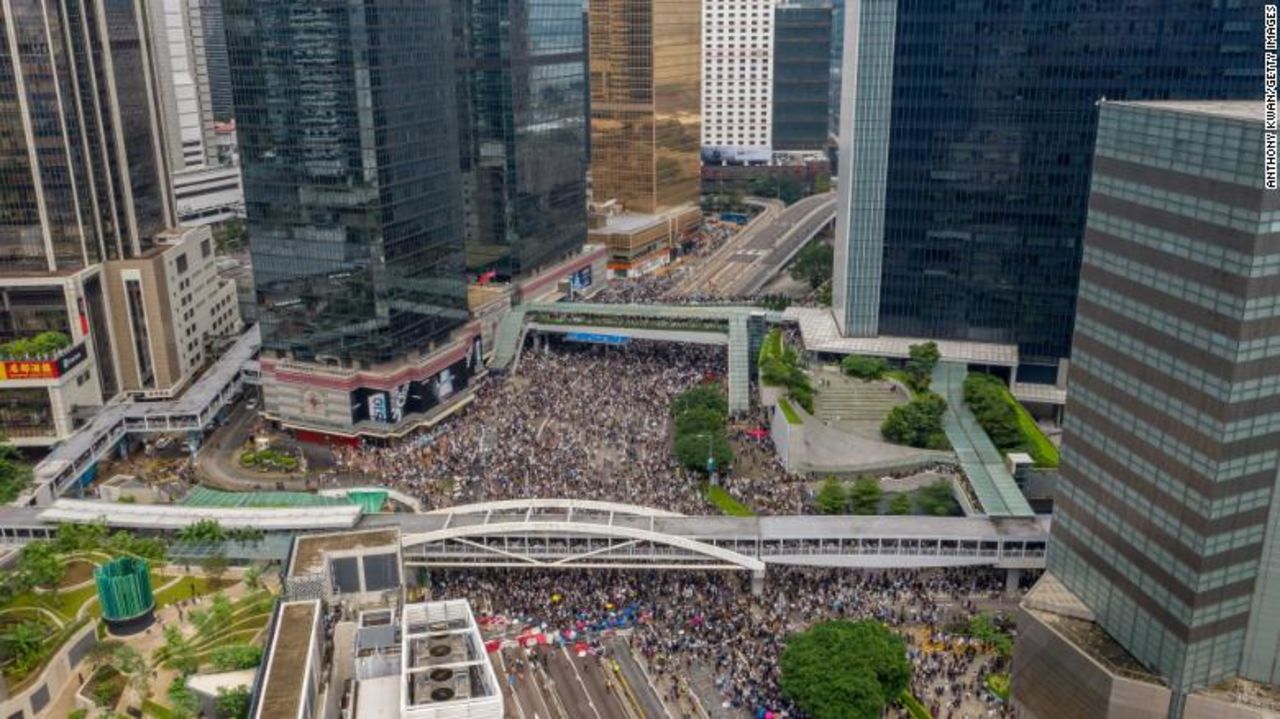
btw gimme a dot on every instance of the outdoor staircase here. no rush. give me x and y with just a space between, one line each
507 340
855 401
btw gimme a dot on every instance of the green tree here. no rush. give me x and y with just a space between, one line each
205 530
813 264
982 628
831 498
214 566
235 656
15 475
985 396
864 367
691 450
699 419
253 576
865 496
232 703
899 503
131 664
845 670
917 423
40 564
23 644
708 395
937 499
83 537
177 650
919 367
184 701
823 295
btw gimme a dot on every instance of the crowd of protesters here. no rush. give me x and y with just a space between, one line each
686 624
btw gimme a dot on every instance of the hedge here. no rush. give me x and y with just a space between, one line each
789 412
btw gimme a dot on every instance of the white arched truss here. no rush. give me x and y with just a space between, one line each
583 505
567 545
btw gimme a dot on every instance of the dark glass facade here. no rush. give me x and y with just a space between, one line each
801 82
349 146
980 197
215 55
523 126
71 193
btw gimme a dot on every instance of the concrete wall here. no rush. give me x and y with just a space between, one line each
1053 678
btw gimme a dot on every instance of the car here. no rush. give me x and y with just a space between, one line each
252 404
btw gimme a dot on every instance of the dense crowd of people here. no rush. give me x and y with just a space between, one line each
685 623
583 422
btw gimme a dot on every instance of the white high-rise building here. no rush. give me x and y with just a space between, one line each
737 80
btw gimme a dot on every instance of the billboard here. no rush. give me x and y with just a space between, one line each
43 369
416 396
594 338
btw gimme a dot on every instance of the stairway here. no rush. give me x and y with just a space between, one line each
855 401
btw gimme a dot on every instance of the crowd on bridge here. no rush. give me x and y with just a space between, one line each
705 633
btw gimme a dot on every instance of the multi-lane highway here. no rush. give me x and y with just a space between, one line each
748 259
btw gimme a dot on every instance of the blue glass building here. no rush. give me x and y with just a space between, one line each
966 129
349 144
522 90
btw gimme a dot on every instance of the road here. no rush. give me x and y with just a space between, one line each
560 685
748 259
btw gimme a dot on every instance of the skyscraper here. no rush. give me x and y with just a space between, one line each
523 128
737 80
1166 529
216 62
645 102
966 136
646 124
84 181
801 81
348 133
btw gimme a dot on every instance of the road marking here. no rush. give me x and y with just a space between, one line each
585 692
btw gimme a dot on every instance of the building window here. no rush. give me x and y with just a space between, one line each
205 250
141 339
182 263
26 412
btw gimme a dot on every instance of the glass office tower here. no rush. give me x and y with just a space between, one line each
967 130
522 120
349 145
1166 523
646 116
801 82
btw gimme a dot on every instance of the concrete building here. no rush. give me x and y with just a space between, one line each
208 195
1166 530
737 80
168 306
645 63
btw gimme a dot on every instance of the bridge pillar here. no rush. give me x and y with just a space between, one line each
1012 578
757 583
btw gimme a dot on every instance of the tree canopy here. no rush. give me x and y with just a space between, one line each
845 670
813 264
919 367
14 474
917 423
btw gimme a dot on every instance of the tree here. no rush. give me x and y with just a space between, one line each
84 537
917 423
232 703
982 628
14 474
985 396
691 450
40 564
214 566
922 359
235 656
937 499
177 650
865 496
184 701
864 367
131 664
23 644
699 419
253 576
831 498
899 503
708 395
206 530
845 670
813 264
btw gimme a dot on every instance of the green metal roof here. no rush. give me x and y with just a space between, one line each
206 497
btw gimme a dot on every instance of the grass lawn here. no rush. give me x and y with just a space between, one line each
152 709
184 589
65 605
1038 445
75 572
789 412
726 503
998 684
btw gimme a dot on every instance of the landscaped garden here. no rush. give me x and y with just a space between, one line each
268 459
864 496
1009 425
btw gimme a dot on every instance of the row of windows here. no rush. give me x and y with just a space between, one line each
1166 403
1214 255
1185 143
1177 368
1229 304
1221 345
1174 448
1191 206
1166 484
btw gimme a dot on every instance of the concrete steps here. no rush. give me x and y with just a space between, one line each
855 401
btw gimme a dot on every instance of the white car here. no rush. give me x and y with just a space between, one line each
252 404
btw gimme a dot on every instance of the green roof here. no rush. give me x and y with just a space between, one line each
206 497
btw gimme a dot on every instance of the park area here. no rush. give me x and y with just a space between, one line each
137 625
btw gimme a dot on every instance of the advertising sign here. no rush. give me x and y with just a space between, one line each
378 406
416 396
581 279
593 338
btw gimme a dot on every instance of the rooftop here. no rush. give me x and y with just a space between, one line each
290 652
821 334
1247 110
308 550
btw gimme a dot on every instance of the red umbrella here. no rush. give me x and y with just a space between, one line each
757 433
